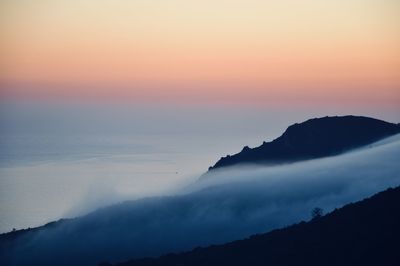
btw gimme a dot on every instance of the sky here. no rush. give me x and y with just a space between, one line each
253 52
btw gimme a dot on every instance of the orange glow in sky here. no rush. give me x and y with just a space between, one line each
252 51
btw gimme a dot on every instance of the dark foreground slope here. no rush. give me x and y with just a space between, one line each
314 138
363 233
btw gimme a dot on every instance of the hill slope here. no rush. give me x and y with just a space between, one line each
314 138
363 233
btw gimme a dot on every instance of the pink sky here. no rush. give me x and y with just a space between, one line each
251 52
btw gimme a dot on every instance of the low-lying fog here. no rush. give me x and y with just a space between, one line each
59 160
229 205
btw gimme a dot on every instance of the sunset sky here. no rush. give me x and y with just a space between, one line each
209 51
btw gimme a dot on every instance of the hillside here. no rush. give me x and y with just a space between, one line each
314 138
363 233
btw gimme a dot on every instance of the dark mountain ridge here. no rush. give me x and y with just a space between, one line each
362 233
314 138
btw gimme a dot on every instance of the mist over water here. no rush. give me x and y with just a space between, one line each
63 160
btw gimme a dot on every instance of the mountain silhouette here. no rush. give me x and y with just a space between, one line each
314 138
362 233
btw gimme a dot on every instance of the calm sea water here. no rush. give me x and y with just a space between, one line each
62 160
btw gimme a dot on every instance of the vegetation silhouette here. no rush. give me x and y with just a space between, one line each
317 213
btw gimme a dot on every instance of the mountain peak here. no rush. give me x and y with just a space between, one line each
314 138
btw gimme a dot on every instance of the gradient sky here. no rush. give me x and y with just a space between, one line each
183 51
